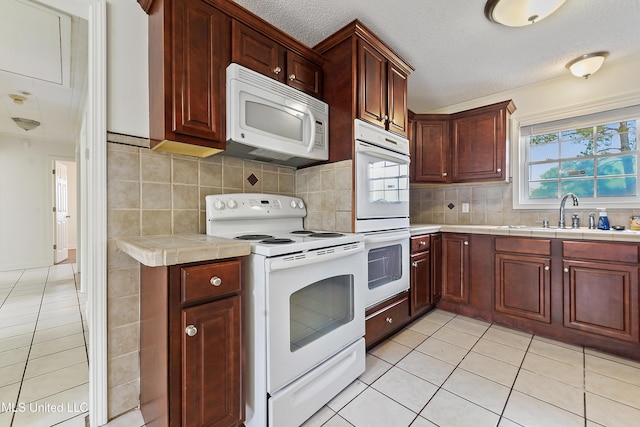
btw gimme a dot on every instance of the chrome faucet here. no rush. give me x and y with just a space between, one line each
564 200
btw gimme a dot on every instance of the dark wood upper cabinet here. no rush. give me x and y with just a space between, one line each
364 79
262 54
469 146
191 43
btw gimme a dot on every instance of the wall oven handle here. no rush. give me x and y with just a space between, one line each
312 135
308 258
383 154
385 239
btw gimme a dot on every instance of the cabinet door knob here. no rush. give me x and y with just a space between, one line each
385 118
547 268
215 281
389 319
498 170
191 330
277 70
566 270
444 174
415 263
466 243
292 77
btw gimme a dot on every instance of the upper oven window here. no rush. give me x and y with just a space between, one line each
320 308
384 265
388 181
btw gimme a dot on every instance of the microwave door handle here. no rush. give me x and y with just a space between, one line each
312 132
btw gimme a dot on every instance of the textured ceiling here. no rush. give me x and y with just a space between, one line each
457 53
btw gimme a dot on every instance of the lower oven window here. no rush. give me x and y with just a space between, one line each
320 308
384 265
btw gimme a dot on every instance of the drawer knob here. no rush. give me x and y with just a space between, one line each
422 243
277 70
415 263
191 330
566 270
389 319
547 268
215 281
292 77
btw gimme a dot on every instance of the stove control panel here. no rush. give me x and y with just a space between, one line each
253 205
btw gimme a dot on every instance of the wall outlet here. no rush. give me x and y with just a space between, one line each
465 208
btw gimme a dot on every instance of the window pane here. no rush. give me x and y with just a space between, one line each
543 190
618 165
617 187
540 149
543 171
576 148
580 187
577 168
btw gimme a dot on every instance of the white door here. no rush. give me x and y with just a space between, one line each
61 214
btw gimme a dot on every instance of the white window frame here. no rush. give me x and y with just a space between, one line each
520 175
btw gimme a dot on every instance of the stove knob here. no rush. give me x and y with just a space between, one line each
301 204
232 204
293 204
218 205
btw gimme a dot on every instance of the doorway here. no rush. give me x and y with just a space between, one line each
65 212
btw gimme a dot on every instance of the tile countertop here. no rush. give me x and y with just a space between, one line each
526 231
155 251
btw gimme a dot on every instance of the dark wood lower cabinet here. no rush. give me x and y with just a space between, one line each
191 345
384 319
580 292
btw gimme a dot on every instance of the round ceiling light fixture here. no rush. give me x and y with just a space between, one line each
518 13
587 64
26 124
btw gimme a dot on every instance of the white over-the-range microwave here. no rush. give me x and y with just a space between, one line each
272 122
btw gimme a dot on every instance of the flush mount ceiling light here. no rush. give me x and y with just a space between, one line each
26 124
518 13
586 65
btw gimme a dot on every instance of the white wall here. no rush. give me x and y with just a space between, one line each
26 187
127 69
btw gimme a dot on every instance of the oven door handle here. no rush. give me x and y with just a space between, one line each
374 151
391 238
308 258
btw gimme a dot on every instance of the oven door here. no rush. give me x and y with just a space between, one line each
315 308
387 264
382 187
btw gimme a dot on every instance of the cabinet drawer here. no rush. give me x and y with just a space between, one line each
523 246
601 251
387 319
209 281
420 243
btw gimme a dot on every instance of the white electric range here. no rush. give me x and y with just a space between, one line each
305 304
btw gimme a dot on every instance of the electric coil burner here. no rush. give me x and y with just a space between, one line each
304 296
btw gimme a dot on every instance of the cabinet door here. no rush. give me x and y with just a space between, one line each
436 267
397 105
523 286
200 53
211 364
420 281
478 147
601 298
372 102
257 52
455 268
304 74
430 153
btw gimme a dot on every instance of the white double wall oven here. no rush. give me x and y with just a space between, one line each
382 209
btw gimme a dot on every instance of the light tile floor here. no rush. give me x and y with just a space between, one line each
450 370
44 374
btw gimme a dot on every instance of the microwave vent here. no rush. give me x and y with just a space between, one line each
275 86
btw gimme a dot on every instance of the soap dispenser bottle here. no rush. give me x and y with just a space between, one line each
603 219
